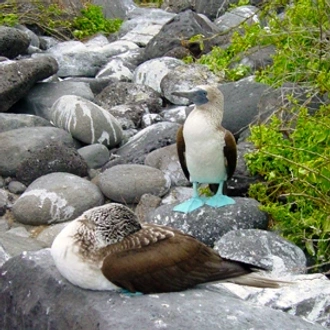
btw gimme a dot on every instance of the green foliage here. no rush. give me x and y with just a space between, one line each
55 21
93 21
296 169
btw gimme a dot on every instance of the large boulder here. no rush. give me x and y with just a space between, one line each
56 197
33 296
18 77
17 144
13 42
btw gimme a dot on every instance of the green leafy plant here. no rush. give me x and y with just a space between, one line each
296 169
93 21
55 21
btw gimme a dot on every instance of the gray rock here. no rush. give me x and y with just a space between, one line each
186 77
18 77
55 198
16 145
34 39
95 155
231 20
150 119
152 72
12 42
31 282
130 93
86 121
213 9
116 8
9 121
116 70
181 28
215 222
77 59
129 115
176 6
263 249
54 157
150 138
14 245
146 204
240 182
3 201
4 256
43 95
241 103
48 234
176 114
166 159
18 231
16 187
127 183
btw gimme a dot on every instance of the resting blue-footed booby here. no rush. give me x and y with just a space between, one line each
106 248
207 151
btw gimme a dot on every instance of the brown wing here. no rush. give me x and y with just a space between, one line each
230 152
181 148
171 263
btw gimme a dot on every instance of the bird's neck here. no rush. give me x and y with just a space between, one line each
213 110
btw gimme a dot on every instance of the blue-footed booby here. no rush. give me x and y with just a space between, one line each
106 248
206 150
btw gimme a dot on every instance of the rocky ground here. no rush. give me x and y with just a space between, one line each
85 123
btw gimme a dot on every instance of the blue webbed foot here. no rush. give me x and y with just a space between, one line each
219 201
129 293
189 205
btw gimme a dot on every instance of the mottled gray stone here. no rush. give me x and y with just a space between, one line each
33 295
43 95
146 204
54 157
180 29
55 198
18 77
16 144
263 249
185 77
86 121
150 138
16 187
78 59
3 201
4 256
12 42
95 155
116 8
208 224
241 103
130 93
48 234
9 121
153 71
127 183
166 159
116 70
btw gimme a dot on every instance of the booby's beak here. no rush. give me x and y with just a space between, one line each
187 94
197 96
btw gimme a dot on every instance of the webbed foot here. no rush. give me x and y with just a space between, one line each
219 201
189 205
129 293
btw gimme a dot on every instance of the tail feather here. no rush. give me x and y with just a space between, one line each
258 281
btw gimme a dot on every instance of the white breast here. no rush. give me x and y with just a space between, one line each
204 149
71 264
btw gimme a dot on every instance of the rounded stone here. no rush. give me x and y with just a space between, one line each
127 183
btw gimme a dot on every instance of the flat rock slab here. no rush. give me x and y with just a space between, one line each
208 224
34 296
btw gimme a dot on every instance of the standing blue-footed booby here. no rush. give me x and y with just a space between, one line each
106 248
207 151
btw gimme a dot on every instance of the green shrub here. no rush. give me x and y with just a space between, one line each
56 22
296 169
